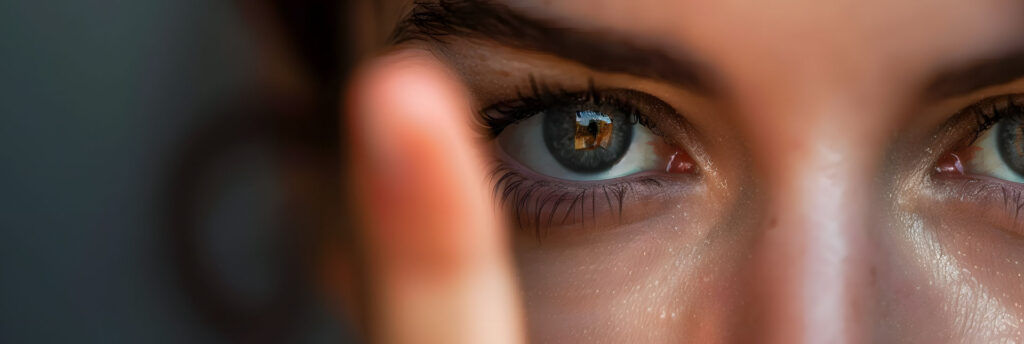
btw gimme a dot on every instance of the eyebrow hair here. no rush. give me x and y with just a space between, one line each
602 51
979 74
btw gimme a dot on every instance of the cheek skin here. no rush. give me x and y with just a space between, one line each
944 262
648 282
990 270
669 277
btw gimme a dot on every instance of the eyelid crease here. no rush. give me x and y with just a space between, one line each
994 70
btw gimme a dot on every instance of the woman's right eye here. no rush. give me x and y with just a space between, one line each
584 139
566 158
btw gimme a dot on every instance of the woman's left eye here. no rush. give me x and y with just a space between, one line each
998 152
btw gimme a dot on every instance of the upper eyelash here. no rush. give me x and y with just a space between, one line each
495 118
989 111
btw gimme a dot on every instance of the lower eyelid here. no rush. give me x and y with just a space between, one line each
999 203
540 203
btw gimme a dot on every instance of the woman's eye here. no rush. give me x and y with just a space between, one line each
588 142
999 150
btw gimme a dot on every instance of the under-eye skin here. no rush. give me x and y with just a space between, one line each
986 168
563 157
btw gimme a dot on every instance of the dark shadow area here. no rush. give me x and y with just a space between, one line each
156 189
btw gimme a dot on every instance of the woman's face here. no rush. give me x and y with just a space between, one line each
728 170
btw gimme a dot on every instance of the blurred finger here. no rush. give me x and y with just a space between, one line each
439 267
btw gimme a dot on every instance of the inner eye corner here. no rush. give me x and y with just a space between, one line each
993 141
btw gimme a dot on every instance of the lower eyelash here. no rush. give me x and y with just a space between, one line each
986 192
1011 198
540 204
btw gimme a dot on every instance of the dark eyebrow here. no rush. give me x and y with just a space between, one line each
602 51
976 75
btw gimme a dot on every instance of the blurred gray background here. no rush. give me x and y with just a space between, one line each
94 96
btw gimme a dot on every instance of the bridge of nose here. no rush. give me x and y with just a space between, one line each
811 259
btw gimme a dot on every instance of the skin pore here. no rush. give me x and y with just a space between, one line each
814 213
